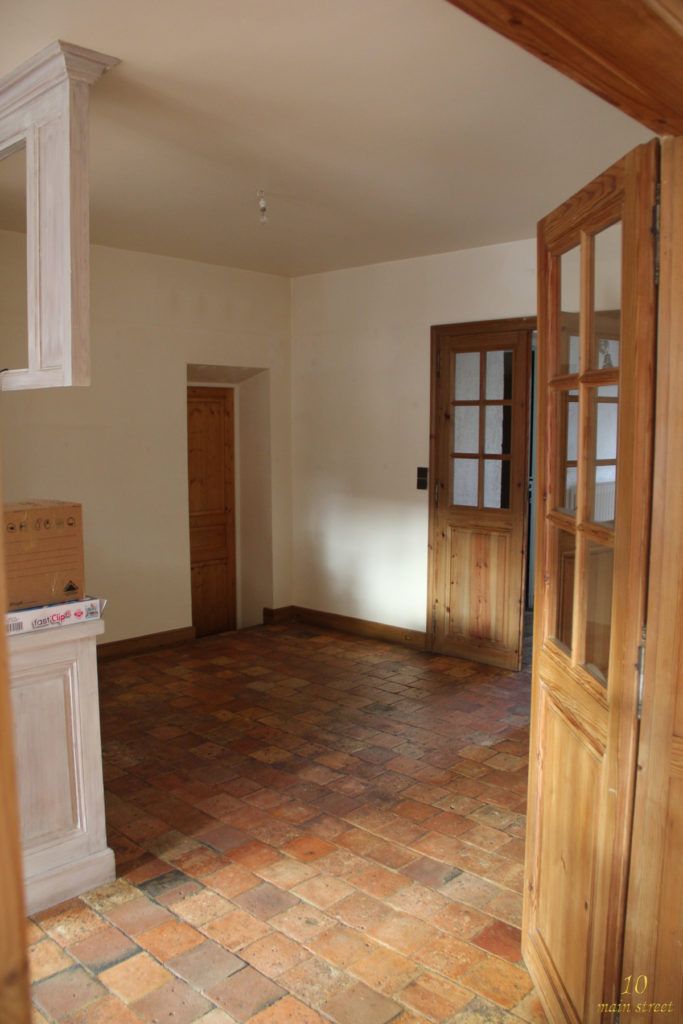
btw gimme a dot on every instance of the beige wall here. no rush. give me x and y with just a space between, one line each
360 419
120 446
357 391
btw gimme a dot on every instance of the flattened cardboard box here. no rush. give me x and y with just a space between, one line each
43 553
54 616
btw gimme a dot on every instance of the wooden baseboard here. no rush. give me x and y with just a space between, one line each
413 638
274 616
142 644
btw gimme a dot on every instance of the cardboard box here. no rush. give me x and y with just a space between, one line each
53 616
43 553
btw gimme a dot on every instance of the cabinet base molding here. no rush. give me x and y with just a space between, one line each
62 883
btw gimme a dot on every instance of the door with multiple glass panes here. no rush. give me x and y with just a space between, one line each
478 527
596 354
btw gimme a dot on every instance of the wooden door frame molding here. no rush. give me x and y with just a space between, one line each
628 52
524 323
653 923
14 976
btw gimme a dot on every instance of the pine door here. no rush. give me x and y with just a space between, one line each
596 354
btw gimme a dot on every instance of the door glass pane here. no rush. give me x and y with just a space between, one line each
570 278
498 375
607 313
466 428
467 376
466 482
603 475
599 577
496 483
568 433
566 558
498 419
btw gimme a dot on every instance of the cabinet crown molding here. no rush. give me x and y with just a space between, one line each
58 62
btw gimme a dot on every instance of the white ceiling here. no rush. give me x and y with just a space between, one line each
379 129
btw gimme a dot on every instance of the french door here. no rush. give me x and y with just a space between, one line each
479 465
596 356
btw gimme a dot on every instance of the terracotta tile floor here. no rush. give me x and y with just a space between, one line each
308 827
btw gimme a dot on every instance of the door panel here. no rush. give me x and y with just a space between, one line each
210 432
596 351
479 468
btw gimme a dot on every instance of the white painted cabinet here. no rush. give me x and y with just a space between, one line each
59 763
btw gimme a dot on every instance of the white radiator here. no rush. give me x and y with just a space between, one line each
604 500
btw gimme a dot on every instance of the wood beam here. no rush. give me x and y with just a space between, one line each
628 52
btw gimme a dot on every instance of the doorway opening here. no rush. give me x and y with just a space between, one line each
249 387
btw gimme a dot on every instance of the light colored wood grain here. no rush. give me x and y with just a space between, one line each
211 481
625 51
59 762
477 554
14 998
44 105
654 927
584 735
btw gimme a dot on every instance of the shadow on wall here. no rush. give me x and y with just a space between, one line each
253 483
364 557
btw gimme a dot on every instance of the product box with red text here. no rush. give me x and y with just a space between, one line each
53 616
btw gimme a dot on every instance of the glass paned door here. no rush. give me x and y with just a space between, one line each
596 354
478 516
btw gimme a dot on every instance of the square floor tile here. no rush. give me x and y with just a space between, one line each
361 1005
206 965
265 900
246 993
135 978
176 1001
103 949
274 954
66 992
170 939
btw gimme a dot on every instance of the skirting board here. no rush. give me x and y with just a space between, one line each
415 638
141 644
43 891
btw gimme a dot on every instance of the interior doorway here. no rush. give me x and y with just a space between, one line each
479 503
211 488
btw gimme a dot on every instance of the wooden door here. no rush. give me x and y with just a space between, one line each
479 473
210 448
594 470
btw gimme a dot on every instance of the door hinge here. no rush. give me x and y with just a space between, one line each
656 223
640 667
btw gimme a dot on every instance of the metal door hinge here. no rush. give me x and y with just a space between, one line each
656 223
640 667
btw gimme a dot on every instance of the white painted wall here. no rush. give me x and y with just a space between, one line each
360 419
120 446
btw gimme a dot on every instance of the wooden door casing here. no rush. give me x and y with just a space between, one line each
584 729
653 947
211 483
14 975
477 554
